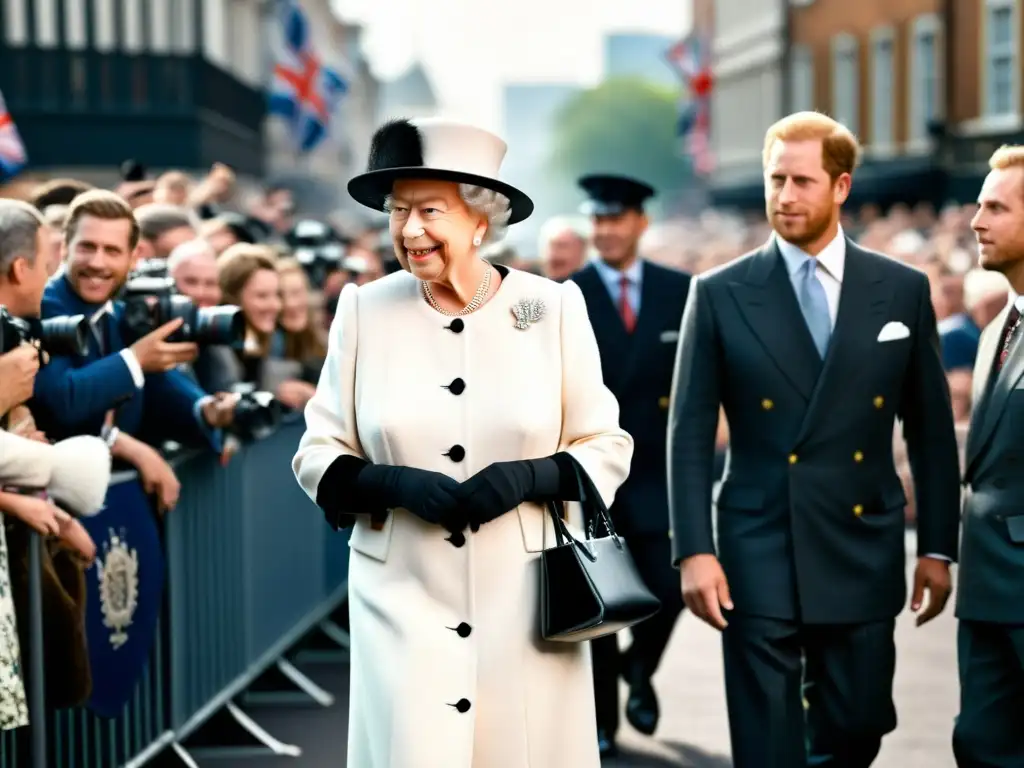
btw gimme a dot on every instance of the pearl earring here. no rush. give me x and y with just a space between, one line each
477 240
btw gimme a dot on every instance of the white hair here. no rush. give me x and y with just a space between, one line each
493 206
980 284
559 225
188 251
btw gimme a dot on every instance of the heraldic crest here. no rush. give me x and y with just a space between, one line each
118 575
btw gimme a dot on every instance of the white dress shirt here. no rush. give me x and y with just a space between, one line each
831 263
127 355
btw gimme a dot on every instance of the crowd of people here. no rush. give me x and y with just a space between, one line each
160 315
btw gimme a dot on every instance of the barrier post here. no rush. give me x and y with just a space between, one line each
37 694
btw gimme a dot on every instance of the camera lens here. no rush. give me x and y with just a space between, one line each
65 336
220 325
13 331
256 415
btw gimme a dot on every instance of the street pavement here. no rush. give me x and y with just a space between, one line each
693 732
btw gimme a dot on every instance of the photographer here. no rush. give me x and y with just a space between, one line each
107 389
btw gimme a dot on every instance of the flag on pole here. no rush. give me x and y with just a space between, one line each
691 58
303 91
13 157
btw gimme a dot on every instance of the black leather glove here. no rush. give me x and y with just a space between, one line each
504 485
431 496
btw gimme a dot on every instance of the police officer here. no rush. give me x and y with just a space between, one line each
635 308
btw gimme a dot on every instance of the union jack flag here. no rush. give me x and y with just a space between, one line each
303 91
691 58
12 151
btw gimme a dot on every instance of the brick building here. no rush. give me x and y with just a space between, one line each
931 87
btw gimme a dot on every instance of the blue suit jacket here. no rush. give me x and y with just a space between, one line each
73 394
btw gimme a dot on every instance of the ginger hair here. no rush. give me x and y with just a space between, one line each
1007 156
840 150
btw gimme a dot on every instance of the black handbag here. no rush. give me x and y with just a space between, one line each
590 588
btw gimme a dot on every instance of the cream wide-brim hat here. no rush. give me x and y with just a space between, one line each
435 148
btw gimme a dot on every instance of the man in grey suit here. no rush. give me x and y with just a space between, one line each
990 598
813 346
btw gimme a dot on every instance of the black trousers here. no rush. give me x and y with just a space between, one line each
653 557
845 672
988 731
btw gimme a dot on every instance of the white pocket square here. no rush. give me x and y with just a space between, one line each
667 336
893 331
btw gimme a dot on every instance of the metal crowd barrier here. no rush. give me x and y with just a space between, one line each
251 570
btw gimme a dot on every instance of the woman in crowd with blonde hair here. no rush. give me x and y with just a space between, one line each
297 350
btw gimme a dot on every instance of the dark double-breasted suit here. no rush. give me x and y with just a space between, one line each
810 512
637 368
990 593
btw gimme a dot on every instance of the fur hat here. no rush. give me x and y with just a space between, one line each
434 148
81 474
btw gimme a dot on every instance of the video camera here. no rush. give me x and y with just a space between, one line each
56 336
317 247
152 299
257 414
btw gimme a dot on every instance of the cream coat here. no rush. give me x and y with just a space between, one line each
528 393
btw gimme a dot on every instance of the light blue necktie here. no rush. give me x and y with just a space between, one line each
814 305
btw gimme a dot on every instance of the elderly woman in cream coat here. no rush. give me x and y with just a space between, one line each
457 399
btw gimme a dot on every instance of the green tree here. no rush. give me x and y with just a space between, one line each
623 126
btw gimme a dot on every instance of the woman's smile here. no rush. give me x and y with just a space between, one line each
422 254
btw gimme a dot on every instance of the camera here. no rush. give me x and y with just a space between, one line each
317 248
257 413
151 299
151 268
56 336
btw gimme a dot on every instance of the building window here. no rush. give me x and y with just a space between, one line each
882 41
925 75
846 81
1000 67
802 79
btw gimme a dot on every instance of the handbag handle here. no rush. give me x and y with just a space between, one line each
594 510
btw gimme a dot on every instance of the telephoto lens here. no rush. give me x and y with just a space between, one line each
64 336
220 325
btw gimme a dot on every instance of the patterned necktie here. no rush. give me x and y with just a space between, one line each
625 306
1012 324
814 305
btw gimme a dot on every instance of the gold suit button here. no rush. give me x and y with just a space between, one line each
858 510
858 456
792 458
767 404
663 403
879 401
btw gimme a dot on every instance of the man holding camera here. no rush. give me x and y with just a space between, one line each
105 391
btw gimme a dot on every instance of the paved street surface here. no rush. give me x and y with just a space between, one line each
694 731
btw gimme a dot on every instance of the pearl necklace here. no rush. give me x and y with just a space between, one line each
474 304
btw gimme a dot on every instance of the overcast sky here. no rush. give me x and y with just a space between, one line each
471 47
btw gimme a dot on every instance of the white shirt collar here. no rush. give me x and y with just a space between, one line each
1016 300
106 309
832 257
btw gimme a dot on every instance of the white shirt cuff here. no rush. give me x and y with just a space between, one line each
940 557
134 368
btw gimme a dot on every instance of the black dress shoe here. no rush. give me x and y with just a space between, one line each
642 706
605 743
